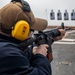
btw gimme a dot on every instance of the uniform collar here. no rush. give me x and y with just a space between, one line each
9 39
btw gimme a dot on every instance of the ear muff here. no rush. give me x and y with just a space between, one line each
21 30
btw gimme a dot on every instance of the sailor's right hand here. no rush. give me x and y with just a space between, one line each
41 49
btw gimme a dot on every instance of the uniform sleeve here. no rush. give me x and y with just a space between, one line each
15 62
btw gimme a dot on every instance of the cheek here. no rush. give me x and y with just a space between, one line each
30 35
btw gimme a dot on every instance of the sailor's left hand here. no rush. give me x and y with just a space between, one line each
62 31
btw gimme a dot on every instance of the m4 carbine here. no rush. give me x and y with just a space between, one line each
43 37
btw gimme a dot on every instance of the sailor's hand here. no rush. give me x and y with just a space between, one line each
42 49
62 31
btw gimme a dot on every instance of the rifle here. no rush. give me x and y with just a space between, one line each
43 37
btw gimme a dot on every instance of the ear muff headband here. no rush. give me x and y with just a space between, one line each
21 30
25 5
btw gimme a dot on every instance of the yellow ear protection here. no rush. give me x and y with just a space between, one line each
21 29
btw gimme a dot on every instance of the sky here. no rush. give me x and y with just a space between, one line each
41 8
